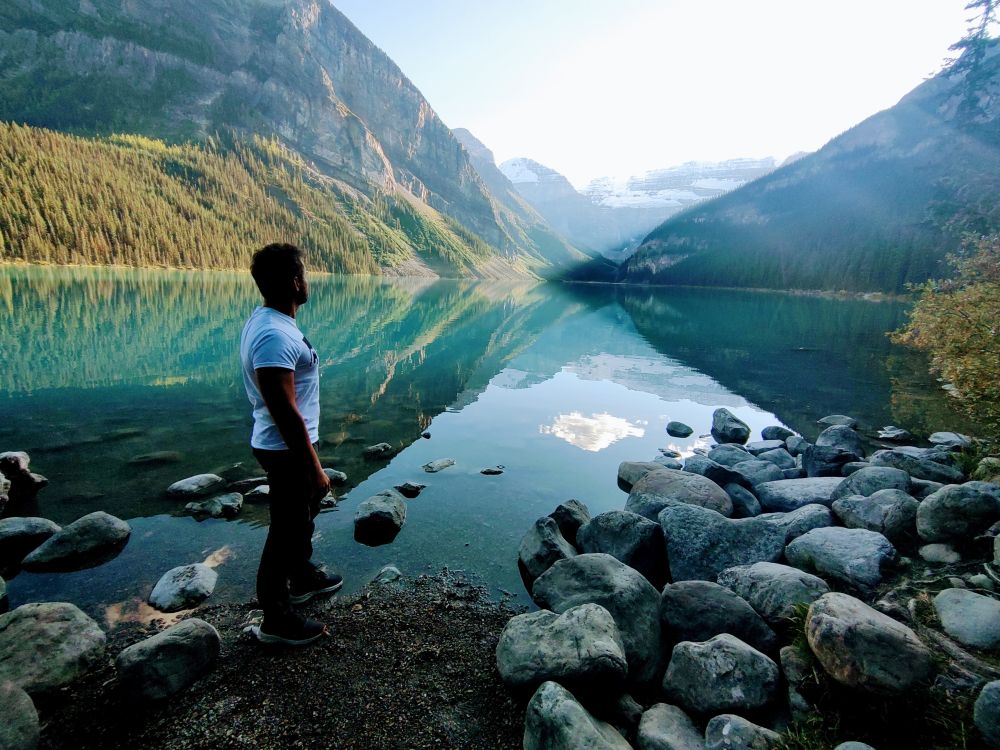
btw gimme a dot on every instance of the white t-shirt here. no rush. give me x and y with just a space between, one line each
272 339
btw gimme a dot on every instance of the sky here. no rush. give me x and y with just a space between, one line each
597 88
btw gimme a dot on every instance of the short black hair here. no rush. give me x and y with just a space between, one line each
274 267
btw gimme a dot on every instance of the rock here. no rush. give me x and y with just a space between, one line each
943 554
4 601
157 458
699 610
853 746
656 490
70 641
669 453
891 513
491 471
220 506
165 664
921 489
706 467
953 441
378 451
789 494
798 670
19 729
825 460
556 721
570 516
917 467
438 464
986 713
632 601
796 473
541 547
729 454
624 715
757 472
630 472
982 581
258 494
678 430
869 480
797 522
987 470
776 432
701 543
773 590
426 435
969 618
862 648
410 489
4 492
666 462
854 557
779 457
21 484
88 541
243 486
183 587
894 434
745 505
666 727
379 518
838 419
731 732
388 574
721 674
854 466
796 444
727 428
337 478
762 446
14 464
631 538
21 535
580 649
958 512
196 486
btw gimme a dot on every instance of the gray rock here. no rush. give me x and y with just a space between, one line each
379 518
721 674
157 458
853 466
950 440
541 547
243 486
337 478
581 649
727 428
796 444
555 720
570 516
729 454
762 446
797 522
701 543
624 714
721 475
853 746
410 489
21 484
667 462
438 464
732 732
257 494
90 540
854 557
387 575
825 460
970 618
789 494
168 662
917 467
835 419
196 486
774 590
183 587
776 432
871 479
779 457
220 506
629 537
656 490
21 535
958 512
894 434
797 473
71 642
379 450
19 729
678 430
4 492
891 513
943 554
862 648
666 727
758 472
745 505
630 472
921 489
986 713
700 610
798 670
632 601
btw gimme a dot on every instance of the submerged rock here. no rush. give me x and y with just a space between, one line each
168 662
379 518
379 450
157 458
728 428
183 587
410 489
220 506
196 486
337 478
88 541
438 464
555 720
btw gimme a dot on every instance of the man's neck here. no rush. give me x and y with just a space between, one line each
286 308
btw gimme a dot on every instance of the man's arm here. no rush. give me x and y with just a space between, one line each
277 386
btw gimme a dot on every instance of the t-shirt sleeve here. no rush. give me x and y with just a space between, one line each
274 349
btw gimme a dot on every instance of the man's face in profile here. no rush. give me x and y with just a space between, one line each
301 288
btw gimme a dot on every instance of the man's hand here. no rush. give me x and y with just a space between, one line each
321 482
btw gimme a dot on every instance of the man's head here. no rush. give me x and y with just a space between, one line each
280 274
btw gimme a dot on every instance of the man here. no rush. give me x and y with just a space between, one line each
281 376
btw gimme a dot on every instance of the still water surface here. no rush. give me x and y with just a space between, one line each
556 383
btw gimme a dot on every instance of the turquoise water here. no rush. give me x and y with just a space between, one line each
557 383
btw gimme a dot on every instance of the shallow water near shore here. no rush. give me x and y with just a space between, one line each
120 382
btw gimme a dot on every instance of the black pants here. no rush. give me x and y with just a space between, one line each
288 548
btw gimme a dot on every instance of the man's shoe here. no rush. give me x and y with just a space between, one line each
290 631
317 582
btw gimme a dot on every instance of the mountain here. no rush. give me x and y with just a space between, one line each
293 71
875 209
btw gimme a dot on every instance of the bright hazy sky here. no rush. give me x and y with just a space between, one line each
616 87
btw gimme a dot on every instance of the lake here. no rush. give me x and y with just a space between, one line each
556 383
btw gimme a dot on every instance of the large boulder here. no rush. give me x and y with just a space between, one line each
732 732
779 457
196 486
758 471
580 649
870 479
570 516
721 674
797 522
380 518
168 662
666 727
729 454
842 437
958 511
88 541
921 466
656 490
862 648
541 546
728 428
44 647
701 543
636 541
986 713
21 535
775 591
19 729
555 720
788 494
891 513
776 432
796 445
632 601
970 618
183 587
826 460
700 610
854 557
630 472
721 475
